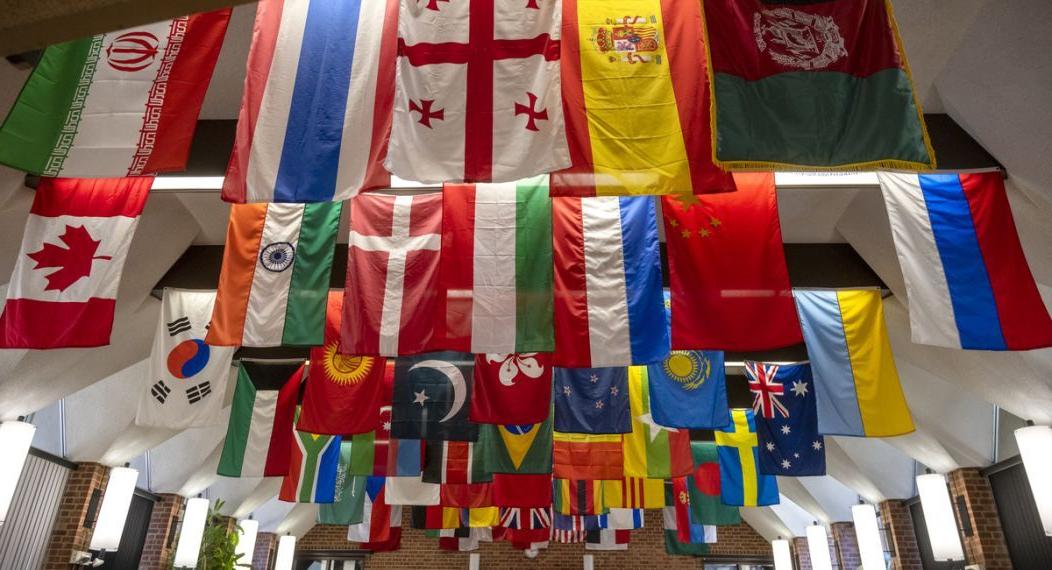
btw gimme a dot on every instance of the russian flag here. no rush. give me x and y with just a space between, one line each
609 303
967 280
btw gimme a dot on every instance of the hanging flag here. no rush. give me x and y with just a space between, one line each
706 506
435 517
411 491
517 448
727 274
339 386
741 482
652 450
348 500
587 456
575 523
689 390
259 435
592 400
608 299
312 469
405 457
607 539
381 441
574 535
622 519
856 383
834 70
455 462
699 537
124 103
392 274
466 495
461 539
634 493
380 520
495 271
522 490
275 275
786 419
525 519
477 93
967 280
316 110
431 397
636 95
577 497
678 499
512 388
63 288
188 378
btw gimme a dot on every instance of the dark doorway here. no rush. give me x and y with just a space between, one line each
135 528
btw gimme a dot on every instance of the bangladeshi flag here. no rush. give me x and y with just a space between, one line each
812 85
704 488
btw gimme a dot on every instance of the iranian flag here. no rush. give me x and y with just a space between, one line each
260 430
496 267
119 104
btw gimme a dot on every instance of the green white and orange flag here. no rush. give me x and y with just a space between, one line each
119 104
652 450
274 283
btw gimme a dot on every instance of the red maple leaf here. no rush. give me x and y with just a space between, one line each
74 261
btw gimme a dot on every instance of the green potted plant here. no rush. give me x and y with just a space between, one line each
218 543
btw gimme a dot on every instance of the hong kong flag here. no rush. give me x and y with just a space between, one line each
64 286
512 388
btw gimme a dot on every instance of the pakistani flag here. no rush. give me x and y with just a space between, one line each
348 503
260 430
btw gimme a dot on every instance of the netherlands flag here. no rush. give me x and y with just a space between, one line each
316 113
967 280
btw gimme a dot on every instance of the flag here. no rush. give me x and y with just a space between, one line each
188 378
592 400
856 383
636 98
431 397
348 500
512 388
466 495
495 272
623 519
371 448
522 489
587 456
727 274
379 518
634 493
392 274
405 458
689 390
577 497
435 517
411 491
678 499
517 448
967 279
517 518
316 110
786 419
393 542
63 288
118 104
275 275
339 386
477 94
455 462
607 539
741 482
706 506
836 71
259 435
460 540
699 537
608 299
652 450
568 536
312 469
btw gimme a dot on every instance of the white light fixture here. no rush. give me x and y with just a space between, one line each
246 541
194 519
1035 447
187 183
938 517
783 558
15 438
109 525
818 547
286 550
867 532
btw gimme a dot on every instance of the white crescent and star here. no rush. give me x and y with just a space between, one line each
455 377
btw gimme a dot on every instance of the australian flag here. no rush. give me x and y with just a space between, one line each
786 419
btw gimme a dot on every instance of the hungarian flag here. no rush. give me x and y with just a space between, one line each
466 495
727 271
63 288
577 497
455 462
704 488
587 456
275 275
636 96
608 297
522 489
123 103
316 109
517 448
477 93
431 396
340 386
812 85
392 274
634 493
348 501
259 435
312 469
381 522
495 272
512 388
652 450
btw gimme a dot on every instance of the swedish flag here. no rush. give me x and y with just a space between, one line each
741 482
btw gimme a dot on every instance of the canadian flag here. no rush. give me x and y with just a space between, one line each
64 286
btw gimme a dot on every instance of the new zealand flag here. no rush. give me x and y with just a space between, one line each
786 419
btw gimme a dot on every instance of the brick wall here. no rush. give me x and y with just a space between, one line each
987 545
266 543
902 541
843 534
155 550
801 555
646 550
68 533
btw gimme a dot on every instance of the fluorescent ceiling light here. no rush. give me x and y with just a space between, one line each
867 532
246 541
15 438
825 179
187 183
109 525
286 550
783 559
818 547
194 519
938 517
1035 447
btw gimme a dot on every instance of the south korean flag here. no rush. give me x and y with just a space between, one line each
187 378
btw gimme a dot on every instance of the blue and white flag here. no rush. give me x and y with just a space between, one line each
786 419
591 400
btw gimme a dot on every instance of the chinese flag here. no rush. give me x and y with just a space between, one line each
512 388
727 275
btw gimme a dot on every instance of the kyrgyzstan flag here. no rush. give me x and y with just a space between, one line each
64 286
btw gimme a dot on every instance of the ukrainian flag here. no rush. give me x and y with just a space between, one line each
856 383
741 483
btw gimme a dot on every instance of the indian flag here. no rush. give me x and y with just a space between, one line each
260 430
274 282
496 267
118 104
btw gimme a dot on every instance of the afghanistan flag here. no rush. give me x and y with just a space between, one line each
523 448
812 85
312 469
652 450
260 430
348 502
704 488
